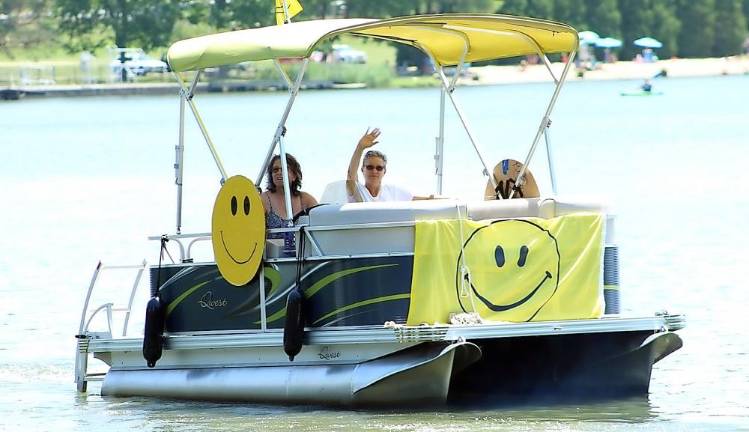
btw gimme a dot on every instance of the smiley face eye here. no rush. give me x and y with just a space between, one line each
233 206
246 206
499 256
523 255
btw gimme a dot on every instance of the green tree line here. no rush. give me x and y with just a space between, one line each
687 28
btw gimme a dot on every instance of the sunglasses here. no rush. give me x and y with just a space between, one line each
374 167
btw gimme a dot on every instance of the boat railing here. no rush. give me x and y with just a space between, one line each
325 238
84 335
185 253
109 308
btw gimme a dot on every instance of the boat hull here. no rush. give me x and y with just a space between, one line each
571 366
422 366
417 375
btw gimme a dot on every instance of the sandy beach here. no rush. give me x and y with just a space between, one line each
621 70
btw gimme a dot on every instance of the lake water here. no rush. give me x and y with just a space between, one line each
89 178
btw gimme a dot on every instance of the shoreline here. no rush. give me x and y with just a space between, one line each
484 75
622 70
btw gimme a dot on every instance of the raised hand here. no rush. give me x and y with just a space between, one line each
369 138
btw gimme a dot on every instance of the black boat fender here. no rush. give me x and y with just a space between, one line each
153 333
153 341
293 326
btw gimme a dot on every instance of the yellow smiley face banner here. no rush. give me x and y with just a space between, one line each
515 270
238 230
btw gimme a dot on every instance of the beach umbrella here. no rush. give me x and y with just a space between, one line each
588 37
608 42
648 42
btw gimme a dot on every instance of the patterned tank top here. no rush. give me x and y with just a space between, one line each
273 220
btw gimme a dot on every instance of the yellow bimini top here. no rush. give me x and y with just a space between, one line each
444 36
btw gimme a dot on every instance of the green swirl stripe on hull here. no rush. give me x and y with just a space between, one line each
183 296
274 277
363 303
322 283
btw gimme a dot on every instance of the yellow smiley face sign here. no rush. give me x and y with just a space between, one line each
238 230
514 268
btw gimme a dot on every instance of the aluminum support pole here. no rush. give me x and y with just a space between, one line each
544 123
440 140
284 75
132 297
550 158
548 66
439 156
459 111
180 150
178 159
286 188
202 127
282 122
263 316
286 17
91 284
448 87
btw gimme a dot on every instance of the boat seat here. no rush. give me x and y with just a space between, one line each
357 234
335 193
511 208
567 205
363 239
385 211
532 207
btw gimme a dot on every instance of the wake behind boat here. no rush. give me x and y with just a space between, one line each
384 303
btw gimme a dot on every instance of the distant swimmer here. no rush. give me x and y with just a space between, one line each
646 86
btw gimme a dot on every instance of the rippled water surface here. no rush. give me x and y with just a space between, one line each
86 179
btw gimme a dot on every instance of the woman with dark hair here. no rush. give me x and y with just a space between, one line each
274 201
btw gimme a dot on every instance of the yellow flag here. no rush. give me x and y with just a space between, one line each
293 6
514 270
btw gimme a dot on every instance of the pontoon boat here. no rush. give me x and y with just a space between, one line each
446 300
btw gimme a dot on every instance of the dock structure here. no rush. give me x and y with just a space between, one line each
125 89
7 93
120 89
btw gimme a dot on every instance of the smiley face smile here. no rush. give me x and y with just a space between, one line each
226 248
500 308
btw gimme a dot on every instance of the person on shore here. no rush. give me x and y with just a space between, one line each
373 168
274 201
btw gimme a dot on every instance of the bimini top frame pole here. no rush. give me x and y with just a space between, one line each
179 150
450 39
187 94
449 87
543 126
188 97
280 133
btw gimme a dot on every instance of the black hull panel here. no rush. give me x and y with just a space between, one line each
579 366
350 292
